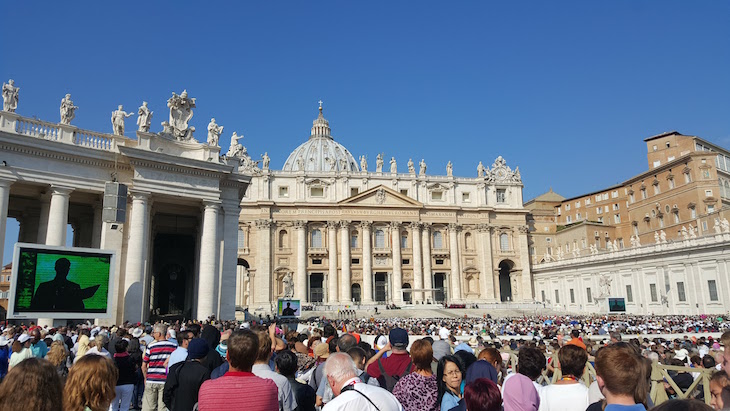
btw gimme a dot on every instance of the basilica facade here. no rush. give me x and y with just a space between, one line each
327 229
201 231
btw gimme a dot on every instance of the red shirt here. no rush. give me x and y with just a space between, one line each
395 364
238 390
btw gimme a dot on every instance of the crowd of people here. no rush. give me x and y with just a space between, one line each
328 365
543 326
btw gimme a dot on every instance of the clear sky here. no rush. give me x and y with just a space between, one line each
564 90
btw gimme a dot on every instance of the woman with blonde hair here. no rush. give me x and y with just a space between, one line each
84 347
57 357
31 385
91 384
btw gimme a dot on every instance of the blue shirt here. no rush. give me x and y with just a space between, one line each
4 358
449 401
618 407
179 355
39 349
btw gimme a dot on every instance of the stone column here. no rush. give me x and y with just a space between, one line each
397 261
207 278
136 265
486 277
58 216
454 260
417 266
262 276
526 291
427 274
345 283
43 220
4 200
231 213
367 263
332 259
300 281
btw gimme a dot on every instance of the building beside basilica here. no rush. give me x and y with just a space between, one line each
327 229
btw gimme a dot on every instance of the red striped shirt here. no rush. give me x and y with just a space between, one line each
238 391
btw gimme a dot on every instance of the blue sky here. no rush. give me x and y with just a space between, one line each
564 90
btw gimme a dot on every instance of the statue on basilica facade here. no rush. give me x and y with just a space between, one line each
181 111
214 133
717 226
422 166
685 233
725 225
411 167
68 110
118 117
144 119
393 165
692 232
481 170
288 282
656 238
10 96
379 163
265 160
363 163
663 236
449 169
236 149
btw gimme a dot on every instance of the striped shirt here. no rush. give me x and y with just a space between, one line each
225 393
155 356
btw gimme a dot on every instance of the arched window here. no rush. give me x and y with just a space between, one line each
316 238
468 241
404 239
283 239
353 239
438 239
379 239
504 242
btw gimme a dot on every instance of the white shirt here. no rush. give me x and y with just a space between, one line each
351 400
564 397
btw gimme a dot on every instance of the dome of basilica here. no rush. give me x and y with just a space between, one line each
321 152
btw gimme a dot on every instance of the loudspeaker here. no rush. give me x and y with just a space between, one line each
115 203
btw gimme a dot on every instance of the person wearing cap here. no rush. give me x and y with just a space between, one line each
21 350
321 353
398 363
185 378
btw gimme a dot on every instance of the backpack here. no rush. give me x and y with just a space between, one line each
388 381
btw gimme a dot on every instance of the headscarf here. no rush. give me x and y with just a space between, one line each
83 346
519 394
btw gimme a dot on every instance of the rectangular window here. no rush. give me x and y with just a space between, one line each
241 238
652 291
604 196
687 178
589 296
557 297
504 242
629 294
284 192
577 204
403 241
404 191
569 219
704 226
656 189
353 241
577 217
356 261
542 292
502 196
316 191
712 285
567 207
599 210
643 194
588 201
600 219
316 261
692 212
617 218
631 198
676 218
406 261
465 197
316 240
710 209
354 191
572 296
439 262
437 195
605 208
671 183
614 194
680 291
708 193
598 198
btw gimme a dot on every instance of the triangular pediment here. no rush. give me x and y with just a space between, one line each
381 196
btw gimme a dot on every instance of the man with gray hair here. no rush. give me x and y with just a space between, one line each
154 370
350 392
